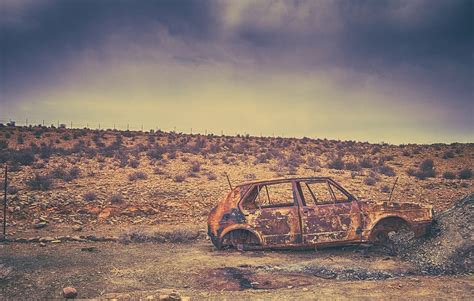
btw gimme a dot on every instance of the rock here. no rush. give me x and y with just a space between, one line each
174 296
305 289
56 241
69 292
104 214
77 228
42 244
46 239
89 249
40 225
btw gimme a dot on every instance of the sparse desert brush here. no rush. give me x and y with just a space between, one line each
353 166
466 173
386 170
64 174
385 189
449 175
138 175
179 178
116 198
195 166
448 155
211 176
370 181
262 158
313 162
3 144
133 163
425 170
366 162
23 157
336 163
158 171
39 182
156 152
89 196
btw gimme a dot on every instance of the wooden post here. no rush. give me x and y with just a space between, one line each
393 188
5 204
228 181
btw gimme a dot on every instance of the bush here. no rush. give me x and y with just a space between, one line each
370 181
466 173
449 175
366 163
211 176
23 157
426 170
134 163
387 170
90 196
65 175
3 144
179 178
336 164
158 171
74 172
116 198
448 155
138 175
353 166
39 182
195 166
385 189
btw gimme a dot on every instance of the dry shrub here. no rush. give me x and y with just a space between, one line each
90 196
40 182
138 175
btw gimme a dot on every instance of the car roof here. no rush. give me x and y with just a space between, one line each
283 180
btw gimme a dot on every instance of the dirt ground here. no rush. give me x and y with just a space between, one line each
197 270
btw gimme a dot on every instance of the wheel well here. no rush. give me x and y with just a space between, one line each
239 236
388 224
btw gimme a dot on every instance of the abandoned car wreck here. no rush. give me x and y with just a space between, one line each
307 212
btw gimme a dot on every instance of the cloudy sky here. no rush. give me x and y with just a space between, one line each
394 71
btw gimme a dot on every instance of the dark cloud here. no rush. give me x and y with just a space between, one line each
38 44
426 45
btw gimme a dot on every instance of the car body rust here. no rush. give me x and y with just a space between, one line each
305 218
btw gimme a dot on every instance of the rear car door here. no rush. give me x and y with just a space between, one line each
328 215
272 210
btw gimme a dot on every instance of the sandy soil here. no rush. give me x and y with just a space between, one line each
201 272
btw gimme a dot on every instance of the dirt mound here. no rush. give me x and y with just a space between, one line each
449 247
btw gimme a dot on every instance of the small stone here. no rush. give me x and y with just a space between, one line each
171 297
77 228
56 241
69 292
305 289
42 244
289 286
40 225
46 239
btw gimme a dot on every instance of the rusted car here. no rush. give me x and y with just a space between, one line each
307 212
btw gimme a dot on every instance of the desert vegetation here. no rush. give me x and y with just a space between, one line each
173 177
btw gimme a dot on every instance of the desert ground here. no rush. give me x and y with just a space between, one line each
121 214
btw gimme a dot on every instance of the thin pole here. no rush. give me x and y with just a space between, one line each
390 198
5 204
228 181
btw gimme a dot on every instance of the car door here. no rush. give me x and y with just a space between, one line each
272 210
326 217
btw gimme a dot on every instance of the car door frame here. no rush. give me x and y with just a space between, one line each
255 217
352 208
